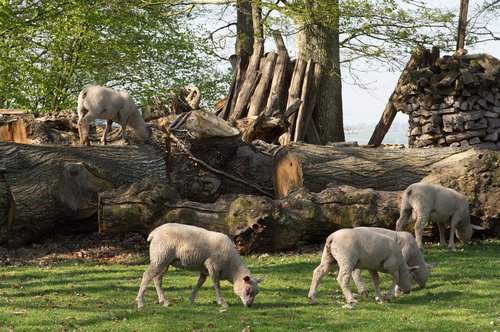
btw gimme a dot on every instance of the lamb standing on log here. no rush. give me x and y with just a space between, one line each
97 102
193 248
411 253
363 249
425 201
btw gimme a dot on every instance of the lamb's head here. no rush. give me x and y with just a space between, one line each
464 233
406 276
422 274
247 289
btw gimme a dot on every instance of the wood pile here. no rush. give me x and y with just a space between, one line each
273 86
453 101
12 127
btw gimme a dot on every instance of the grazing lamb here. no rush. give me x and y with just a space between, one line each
363 249
97 102
192 248
411 253
427 201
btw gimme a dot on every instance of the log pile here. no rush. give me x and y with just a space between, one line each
453 101
274 86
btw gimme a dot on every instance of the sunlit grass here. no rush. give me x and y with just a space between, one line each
463 294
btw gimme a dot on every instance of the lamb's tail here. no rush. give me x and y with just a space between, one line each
151 236
405 211
327 252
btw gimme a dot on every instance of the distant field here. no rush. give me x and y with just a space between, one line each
396 135
463 294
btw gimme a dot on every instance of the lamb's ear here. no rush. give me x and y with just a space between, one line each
246 278
477 227
260 279
414 268
431 265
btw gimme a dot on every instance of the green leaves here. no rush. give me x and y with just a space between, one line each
50 50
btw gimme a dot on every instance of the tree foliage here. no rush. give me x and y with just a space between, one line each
50 50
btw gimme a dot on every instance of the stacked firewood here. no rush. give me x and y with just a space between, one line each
273 86
454 101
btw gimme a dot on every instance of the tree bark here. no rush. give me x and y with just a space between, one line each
321 44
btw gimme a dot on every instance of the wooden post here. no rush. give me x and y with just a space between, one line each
257 103
462 23
390 111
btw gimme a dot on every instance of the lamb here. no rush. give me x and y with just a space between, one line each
427 201
97 102
363 249
411 254
196 249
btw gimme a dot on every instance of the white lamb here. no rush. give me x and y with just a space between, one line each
192 248
411 254
363 249
97 102
425 201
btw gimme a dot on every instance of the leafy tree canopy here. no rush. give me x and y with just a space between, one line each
50 50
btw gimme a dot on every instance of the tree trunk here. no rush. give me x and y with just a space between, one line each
321 44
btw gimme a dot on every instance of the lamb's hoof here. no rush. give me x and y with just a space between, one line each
312 301
224 305
165 303
140 305
349 306
365 294
380 300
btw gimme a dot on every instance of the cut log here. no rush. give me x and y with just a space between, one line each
280 79
51 187
236 83
257 103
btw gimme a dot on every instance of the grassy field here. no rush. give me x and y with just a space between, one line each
463 294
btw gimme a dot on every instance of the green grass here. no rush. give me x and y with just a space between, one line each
463 294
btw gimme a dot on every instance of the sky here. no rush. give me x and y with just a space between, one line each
365 107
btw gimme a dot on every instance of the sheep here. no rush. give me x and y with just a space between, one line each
193 248
427 201
97 102
363 249
411 254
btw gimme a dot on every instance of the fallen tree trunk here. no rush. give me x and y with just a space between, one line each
380 169
255 223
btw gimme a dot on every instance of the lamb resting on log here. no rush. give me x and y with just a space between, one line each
197 249
363 249
97 102
425 201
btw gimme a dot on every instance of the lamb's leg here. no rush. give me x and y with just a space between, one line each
158 280
214 274
358 280
109 123
442 238
343 280
151 272
422 217
392 289
318 273
83 127
124 132
404 216
376 285
199 283
455 219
